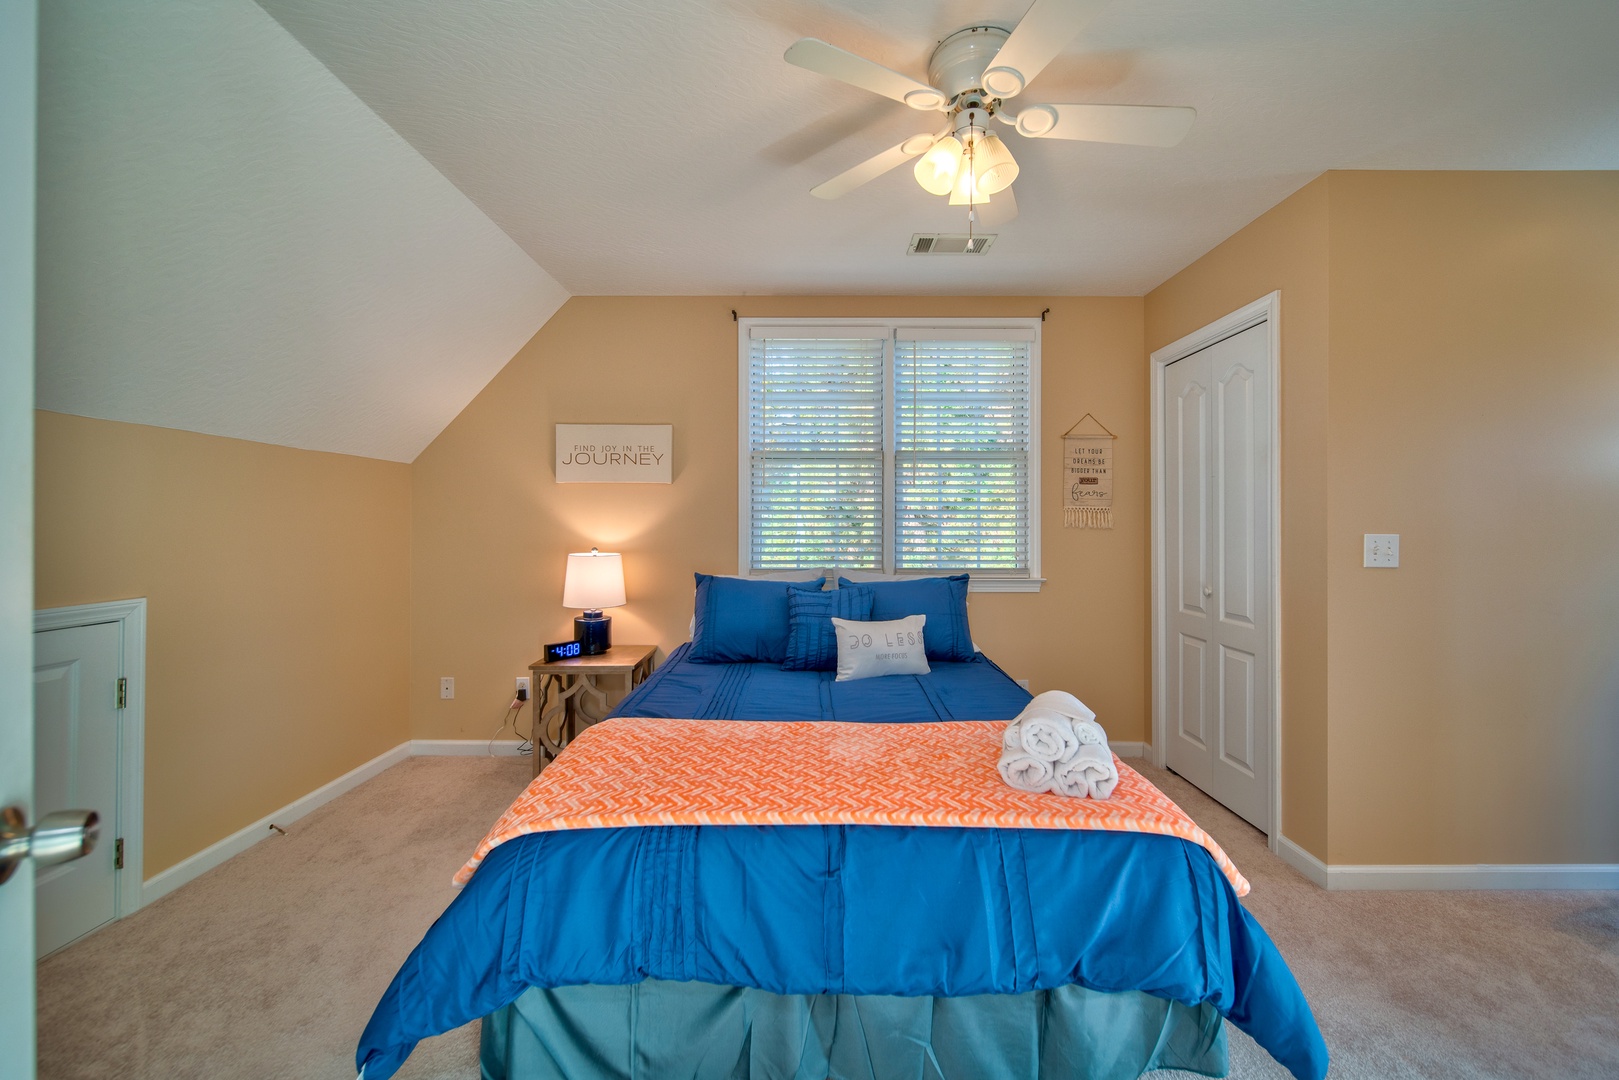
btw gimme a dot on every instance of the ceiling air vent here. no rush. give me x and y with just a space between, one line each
950 244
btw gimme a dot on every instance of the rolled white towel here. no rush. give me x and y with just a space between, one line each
1063 704
1070 777
1090 771
1046 735
1089 731
1023 772
1012 737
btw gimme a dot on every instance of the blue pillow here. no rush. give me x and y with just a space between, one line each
942 599
812 641
741 620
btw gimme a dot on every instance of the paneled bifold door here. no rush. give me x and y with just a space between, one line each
1217 570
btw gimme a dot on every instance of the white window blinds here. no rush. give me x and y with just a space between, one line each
815 449
961 452
890 448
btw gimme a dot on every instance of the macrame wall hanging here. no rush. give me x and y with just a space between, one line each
1087 467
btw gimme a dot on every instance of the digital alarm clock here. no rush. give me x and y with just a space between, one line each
562 650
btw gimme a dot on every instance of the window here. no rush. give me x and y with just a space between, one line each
902 446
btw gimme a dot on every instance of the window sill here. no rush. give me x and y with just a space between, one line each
991 584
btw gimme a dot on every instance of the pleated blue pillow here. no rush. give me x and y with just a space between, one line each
812 640
742 620
942 599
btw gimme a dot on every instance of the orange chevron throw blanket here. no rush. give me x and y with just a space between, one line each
633 771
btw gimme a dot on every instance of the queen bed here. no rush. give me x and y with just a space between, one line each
636 940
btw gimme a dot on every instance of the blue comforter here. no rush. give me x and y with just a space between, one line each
846 909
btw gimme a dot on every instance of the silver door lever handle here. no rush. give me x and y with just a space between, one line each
58 838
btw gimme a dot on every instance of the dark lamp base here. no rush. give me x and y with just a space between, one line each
594 633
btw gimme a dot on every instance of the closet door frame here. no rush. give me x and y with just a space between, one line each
1266 310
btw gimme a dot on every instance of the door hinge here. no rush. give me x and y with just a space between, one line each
123 701
118 854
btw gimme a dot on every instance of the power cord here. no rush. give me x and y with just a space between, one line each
524 746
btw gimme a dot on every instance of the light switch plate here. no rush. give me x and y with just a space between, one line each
1382 550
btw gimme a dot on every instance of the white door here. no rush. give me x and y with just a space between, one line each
1217 570
19 44
76 674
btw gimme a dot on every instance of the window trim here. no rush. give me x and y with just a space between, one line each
979 582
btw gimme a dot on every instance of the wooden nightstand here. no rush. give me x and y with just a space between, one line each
563 688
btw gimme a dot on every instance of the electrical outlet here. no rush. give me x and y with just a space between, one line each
522 686
1022 682
446 688
1382 550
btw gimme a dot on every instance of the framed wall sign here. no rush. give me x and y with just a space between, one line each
614 453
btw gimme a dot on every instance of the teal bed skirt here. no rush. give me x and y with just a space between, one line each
658 1030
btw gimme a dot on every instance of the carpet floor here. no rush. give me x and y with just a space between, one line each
269 965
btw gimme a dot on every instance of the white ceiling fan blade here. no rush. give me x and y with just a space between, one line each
1000 210
815 55
1047 28
873 167
1136 125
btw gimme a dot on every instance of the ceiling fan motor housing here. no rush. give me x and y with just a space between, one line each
958 64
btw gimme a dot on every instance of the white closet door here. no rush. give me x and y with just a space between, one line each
1217 570
76 767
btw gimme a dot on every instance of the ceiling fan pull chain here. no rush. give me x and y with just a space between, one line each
972 193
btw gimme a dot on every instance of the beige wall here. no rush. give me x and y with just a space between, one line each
1450 366
1449 373
1474 692
278 608
490 526
1286 250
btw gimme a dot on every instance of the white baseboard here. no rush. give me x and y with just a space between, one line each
1481 876
1130 749
1344 877
161 885
237 842
464 748
1302 861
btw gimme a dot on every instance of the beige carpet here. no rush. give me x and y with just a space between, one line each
270 965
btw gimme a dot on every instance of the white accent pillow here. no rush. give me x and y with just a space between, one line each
869 649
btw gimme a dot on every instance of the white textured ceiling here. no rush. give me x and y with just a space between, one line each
231 242
663 146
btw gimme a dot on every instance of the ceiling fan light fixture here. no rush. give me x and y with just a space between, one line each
925 100
996 166
937 169
1004 82
967 192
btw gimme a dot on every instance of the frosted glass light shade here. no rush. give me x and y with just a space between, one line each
595 579
936 170
968 193
996 167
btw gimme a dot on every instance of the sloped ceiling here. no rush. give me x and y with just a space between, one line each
328 223
664 146
231 242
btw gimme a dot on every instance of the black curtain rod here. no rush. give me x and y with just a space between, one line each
1043 314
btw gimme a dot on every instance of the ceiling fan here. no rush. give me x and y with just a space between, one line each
972 74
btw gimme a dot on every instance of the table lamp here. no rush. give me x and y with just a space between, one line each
595 580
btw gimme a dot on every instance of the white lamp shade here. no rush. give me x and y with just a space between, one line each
996 169
936 170
595 579
967 192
